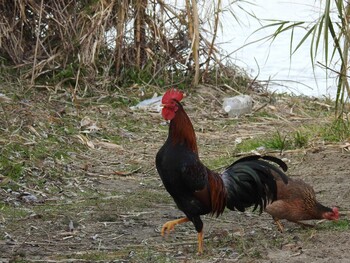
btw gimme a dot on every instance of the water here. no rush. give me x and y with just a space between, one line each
287 74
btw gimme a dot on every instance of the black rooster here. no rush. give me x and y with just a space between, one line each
197 190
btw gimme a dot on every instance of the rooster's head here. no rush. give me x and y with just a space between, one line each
170 102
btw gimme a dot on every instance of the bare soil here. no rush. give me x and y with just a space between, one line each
104 201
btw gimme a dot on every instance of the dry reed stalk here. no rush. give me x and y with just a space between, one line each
345 67
37 42
190 18
140 32
211 46
196 42
121 20
174 12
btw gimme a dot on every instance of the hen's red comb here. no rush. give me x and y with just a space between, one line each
336 211
172 94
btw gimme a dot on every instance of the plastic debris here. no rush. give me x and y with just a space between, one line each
28 198
152 104
4 98
238 105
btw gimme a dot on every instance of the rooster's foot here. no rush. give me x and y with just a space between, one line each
170 225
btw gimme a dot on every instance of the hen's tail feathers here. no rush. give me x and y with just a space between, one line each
251 181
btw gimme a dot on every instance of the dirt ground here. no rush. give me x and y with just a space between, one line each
106 203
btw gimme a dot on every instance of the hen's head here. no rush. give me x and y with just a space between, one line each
170 101
333 215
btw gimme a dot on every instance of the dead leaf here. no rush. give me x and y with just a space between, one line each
88 125
85 141
272 108
4 98
345 147
4 180
91 128
109 145
90 144
71 226
32 129
121 173
86 121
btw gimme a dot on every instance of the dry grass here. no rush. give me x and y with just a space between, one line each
84 45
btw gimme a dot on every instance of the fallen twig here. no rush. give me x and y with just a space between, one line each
121 173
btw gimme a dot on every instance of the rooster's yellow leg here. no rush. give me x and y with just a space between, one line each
200 242
279 224
170 225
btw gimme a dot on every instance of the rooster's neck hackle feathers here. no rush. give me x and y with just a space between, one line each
181 130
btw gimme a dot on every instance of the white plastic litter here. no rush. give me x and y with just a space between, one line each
4 98
152 104
28 198
238 105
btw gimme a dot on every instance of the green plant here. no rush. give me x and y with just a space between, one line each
278 141
10 168
249 145
300 139
338 130
340 225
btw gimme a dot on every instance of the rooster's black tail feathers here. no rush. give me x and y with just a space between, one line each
276 160
252 181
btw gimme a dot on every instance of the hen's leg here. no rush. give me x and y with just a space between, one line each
279 224
170 225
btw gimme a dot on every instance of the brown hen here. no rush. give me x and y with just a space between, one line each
296 201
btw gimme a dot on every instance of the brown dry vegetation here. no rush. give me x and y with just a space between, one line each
78 180
99 45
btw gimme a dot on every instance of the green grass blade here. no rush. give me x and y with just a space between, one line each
292 26
336 42
312 29
327 22
279 23
319 34
291 46
340 8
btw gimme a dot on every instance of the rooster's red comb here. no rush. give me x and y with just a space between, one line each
172 94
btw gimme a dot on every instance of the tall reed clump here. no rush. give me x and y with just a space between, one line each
102 44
